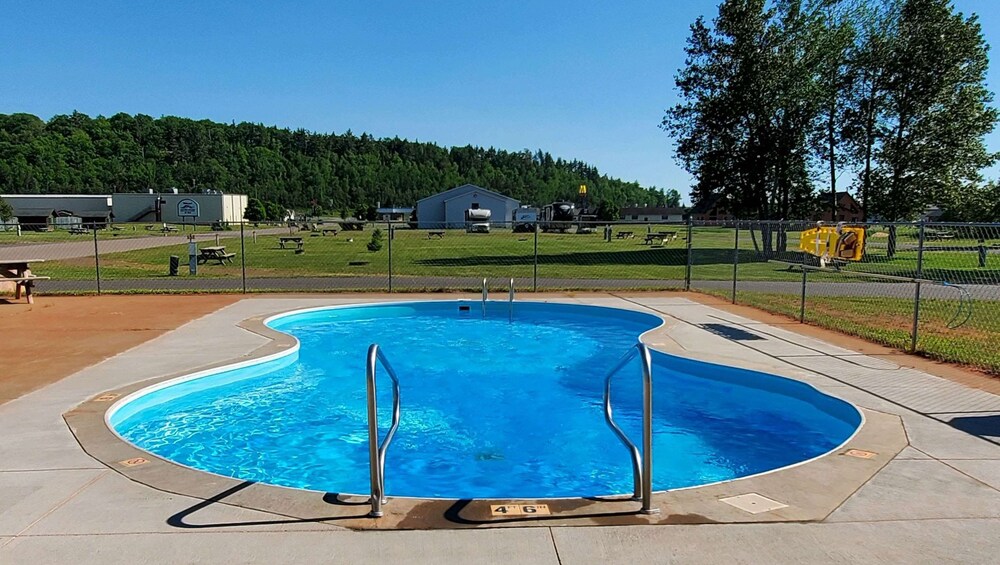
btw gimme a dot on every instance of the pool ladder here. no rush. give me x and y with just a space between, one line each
510 299
376 449
642 463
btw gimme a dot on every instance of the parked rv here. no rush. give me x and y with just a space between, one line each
477 220
525 219
558 216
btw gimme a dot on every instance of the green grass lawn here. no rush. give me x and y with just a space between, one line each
889 321
506 254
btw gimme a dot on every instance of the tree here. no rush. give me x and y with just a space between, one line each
375 244
255 212
834 75
80 154
6 211
937 111
275 212
608 212
750 96
976 203
869 71
669 198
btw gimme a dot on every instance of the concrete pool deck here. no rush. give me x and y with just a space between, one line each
936 501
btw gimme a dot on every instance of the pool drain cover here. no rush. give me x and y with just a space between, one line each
753 503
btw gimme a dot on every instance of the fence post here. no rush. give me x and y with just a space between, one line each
687 271
534 276
97 262
390 256
736 258
916 292
243 256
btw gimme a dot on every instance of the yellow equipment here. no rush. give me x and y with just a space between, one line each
833 243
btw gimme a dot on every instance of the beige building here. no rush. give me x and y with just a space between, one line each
178 207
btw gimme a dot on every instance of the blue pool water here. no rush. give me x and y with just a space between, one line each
490 408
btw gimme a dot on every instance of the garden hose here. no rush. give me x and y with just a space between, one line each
964 306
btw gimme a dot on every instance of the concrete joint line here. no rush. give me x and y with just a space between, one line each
60 504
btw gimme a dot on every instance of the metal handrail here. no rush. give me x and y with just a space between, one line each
511 300
376 450
642 464
486 294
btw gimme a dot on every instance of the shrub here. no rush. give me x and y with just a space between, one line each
376 242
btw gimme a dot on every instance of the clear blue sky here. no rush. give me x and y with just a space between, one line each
586 80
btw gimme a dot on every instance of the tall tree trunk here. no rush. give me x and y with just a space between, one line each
866 180
831 136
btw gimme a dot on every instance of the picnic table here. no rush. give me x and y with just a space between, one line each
662 236
78 231
435 233
297 240
18 273
323 231
625 235
215 253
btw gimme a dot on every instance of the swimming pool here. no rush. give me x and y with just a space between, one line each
491 407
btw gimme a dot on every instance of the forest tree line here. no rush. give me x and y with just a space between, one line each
314 172
786 102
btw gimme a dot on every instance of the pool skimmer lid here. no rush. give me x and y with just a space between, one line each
753 503
860 453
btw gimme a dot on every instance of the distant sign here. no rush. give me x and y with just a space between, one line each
187 208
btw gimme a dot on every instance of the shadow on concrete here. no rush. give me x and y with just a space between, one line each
179 520
985 427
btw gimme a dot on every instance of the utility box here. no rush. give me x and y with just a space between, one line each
175 264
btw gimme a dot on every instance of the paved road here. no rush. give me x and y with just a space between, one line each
84 247
302 284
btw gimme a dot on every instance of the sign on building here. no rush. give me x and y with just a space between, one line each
188 208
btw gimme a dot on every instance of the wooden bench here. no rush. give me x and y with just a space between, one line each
78 231
437 233
206 254
625 235
291 239
19 274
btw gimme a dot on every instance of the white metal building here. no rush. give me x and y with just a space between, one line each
653 214
199 207
447 209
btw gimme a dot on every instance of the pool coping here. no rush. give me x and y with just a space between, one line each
806 490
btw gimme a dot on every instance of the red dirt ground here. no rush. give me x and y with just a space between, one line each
59 335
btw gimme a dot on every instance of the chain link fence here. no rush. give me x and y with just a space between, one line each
927 287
